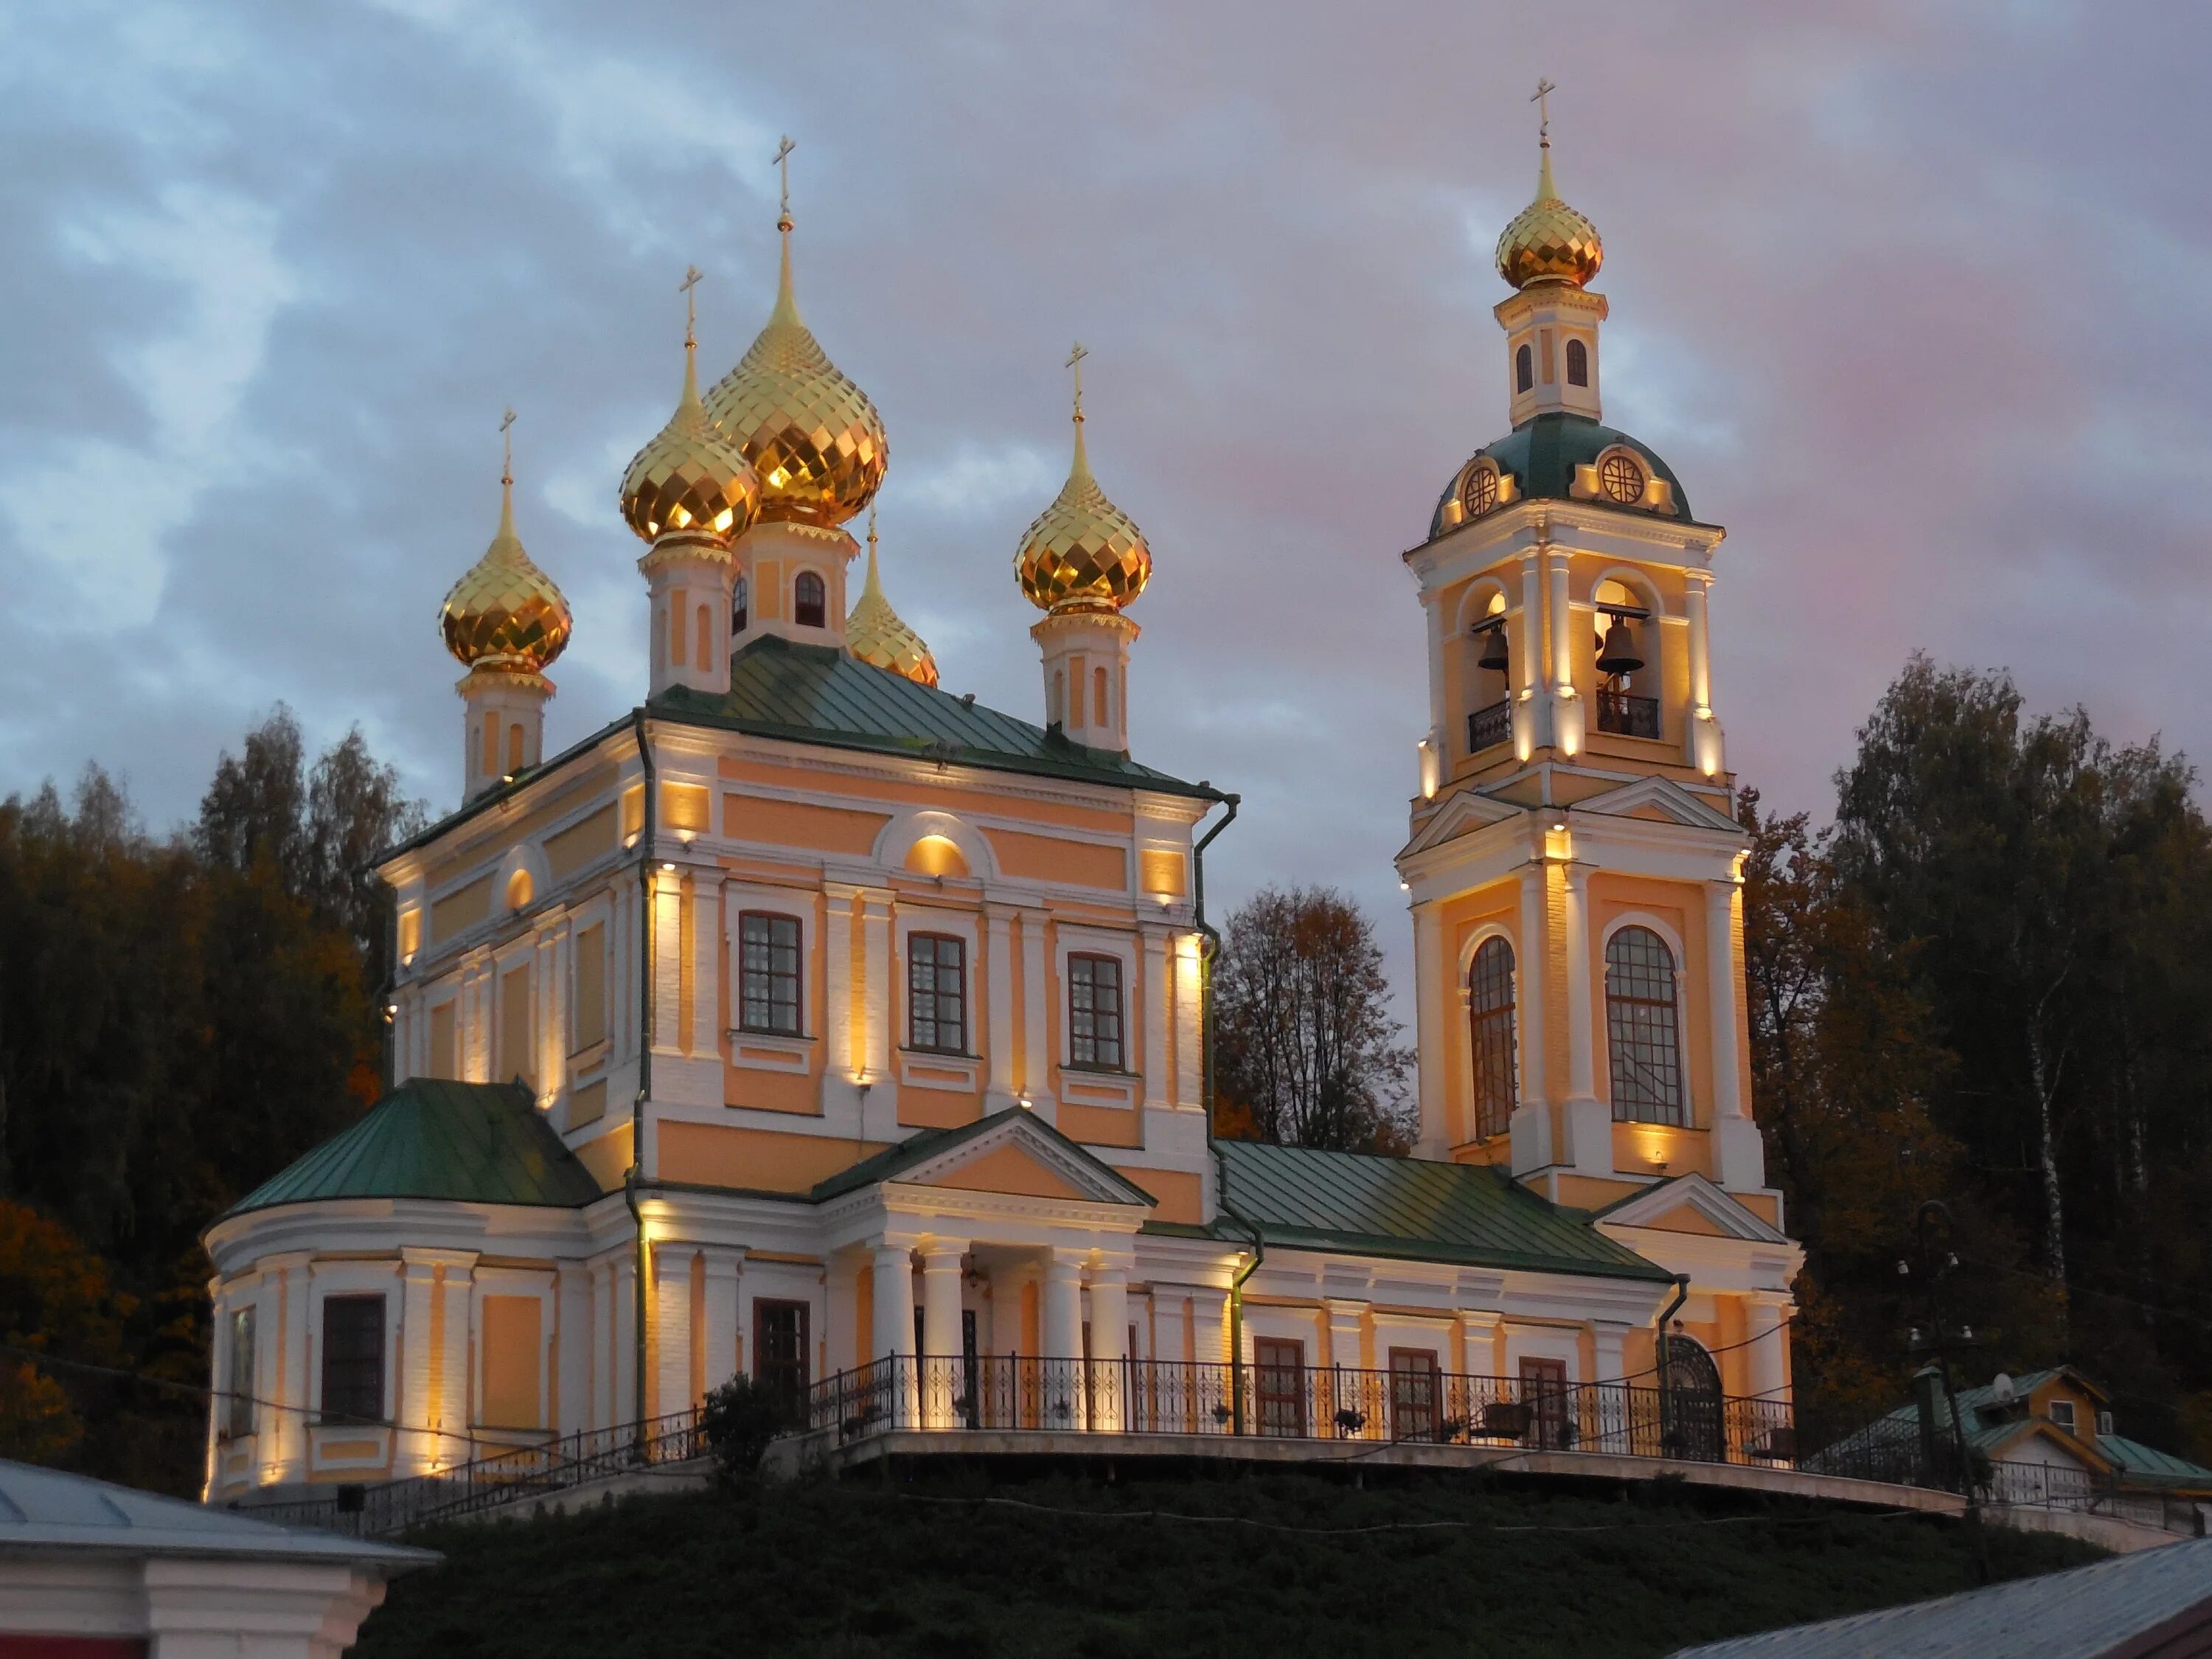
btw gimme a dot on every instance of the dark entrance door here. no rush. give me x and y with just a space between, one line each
1279 1371
780 1354
1544 1397
1694 1402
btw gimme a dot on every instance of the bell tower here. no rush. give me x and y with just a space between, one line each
1573 862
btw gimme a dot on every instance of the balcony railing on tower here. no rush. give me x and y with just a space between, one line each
1486 727
1627 715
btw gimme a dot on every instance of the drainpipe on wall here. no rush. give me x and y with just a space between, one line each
634 1176
1207 953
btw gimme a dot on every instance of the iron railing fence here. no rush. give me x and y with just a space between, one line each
1486 727
539 1469
1158 1396
1626 715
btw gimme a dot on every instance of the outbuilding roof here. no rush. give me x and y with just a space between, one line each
1414 1208
483 1143
49 1509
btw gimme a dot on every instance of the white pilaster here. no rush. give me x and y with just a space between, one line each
894 1325
1739 1156
414 1409
454 1416
667 963
706 944
1531 711
1159 1004
1433 1000
1109 1346
1567 708
1060 1326
1610 1365
289 1427
1589 1120
1035 1049
1189 1024
841 1049
1345 1319
1004 1086
574 1356
879 996
1766 1316
671 1326
723 1270
1532 1112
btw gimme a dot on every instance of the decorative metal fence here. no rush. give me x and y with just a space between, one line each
1152 1396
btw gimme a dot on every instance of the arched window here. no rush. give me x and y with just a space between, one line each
1524 369
809 602
1577 363
738 617
1640 1029
1490 1022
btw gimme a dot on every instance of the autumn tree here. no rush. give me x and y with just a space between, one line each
1306 1052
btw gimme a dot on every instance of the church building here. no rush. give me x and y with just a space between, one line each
810 1021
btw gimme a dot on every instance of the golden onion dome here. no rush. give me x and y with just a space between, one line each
876 635
1548 241
690 476
1083 552
813 437
505 612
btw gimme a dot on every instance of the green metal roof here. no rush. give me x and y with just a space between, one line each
2141 1462
1541 455
483 1143
1415 1208
894 1161
820 694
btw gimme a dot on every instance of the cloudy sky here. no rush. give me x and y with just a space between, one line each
1914 297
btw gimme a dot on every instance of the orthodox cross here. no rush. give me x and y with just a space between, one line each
1542 101
783 166
506 446
1075 362
691 275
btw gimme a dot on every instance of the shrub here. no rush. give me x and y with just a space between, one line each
738 1420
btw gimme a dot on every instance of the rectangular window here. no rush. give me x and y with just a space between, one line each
352 1360
1094 1011
937 994
2062 1413
768 973
238 1409
590 988
1279 1370
780 1353
514 1026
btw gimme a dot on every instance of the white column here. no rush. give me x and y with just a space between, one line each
290 1436
1532 1112
415 1410
1701 732
672 1328
1110 1348
1432 999
667 961
574 1356
724 1268
1005 1087
1034 1042
1440 739
1566 710
707 1022
1189 1033
940 1330
894 1325
1612 1413
1159 1006
1766 1316
1060 1327
878 995
1531 714
1589 1120
1740 1160
454 1415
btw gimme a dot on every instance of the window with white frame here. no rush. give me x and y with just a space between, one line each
352 1360
238 1407
937 994
769 968
1641 1029
1095 1016
1491 1033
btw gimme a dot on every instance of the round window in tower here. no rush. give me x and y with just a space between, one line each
1479 493
1621 478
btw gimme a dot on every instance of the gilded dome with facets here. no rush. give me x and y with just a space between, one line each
690 476
504 613
812 436
877 635
1548 241
1083 551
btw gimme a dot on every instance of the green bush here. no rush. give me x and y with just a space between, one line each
738 1420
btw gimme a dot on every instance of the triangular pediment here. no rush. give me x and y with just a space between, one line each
1461 815
1018 1153
1691 1204
1659 800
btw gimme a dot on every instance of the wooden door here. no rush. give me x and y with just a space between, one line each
1544 1393
1413 1391
1278 1375
780 1354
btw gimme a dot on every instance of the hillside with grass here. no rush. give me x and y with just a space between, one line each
951 1562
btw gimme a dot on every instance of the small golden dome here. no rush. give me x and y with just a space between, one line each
690 476
1548 241
813 437
504 613
875 635
1083 552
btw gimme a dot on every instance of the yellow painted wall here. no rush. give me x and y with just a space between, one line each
717 1155
511 1354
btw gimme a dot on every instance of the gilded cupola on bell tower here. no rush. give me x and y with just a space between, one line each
1080 562
505 621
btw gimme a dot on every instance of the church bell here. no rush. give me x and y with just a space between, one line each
1493 650
1616 653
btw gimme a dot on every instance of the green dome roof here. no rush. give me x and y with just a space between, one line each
1542 455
